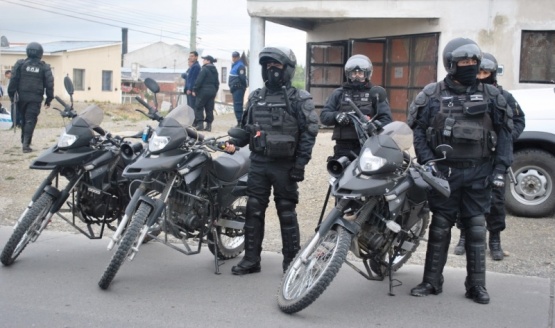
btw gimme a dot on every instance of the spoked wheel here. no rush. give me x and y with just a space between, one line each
231 242
129 240
305 281
415 234
27 229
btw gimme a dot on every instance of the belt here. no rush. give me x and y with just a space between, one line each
464 164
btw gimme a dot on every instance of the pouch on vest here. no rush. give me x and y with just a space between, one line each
280 146
277 116
468 132
475 108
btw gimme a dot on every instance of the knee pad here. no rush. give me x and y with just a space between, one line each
440 229
476 230
286 212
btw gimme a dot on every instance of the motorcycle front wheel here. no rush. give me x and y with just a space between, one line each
305 281
231 242
27 229
129 240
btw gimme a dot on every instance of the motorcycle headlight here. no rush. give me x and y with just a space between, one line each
66 140
157 142
369 163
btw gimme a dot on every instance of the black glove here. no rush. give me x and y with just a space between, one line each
498 178
342 119
296 174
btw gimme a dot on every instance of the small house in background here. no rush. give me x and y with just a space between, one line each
93 66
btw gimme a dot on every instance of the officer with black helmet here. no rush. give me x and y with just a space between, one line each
281 125
496 218
474 119
371 100
30 78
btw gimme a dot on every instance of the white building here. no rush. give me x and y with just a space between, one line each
405 39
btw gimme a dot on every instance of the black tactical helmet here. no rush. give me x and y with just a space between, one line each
358 62
459 49
34 50
282 55
489 64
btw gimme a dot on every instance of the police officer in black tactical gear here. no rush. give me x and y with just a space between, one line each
496 218
371 100
475 120
282 126
30 78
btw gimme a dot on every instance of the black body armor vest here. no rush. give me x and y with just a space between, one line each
464 123
31 78
362 99
274 130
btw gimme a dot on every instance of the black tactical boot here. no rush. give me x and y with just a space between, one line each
27 149
26 143
459 249
495 246
254 234
208 127
478 294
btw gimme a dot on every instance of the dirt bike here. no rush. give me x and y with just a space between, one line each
381 214
183 192
92 163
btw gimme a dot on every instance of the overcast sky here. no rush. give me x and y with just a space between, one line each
222 25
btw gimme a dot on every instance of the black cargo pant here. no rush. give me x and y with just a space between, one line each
29 112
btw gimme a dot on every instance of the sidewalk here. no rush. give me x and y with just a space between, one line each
54 283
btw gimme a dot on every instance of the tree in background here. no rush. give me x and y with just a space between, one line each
299 78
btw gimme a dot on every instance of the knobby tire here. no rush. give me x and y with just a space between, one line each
26 229
313 286
129 238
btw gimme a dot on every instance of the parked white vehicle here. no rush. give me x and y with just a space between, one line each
533 194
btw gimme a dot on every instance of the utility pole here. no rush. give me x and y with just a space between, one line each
193 36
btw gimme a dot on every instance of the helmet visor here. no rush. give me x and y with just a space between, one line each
467 51
488 65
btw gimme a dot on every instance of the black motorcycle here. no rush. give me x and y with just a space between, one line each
381 214
93 194
181 190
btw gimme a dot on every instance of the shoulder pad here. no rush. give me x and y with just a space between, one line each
303 95
421 99
501 101
255 94
379 93
491 90
430 89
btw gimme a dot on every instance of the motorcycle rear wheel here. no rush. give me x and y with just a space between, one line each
303 283
27 229
129 240
230 247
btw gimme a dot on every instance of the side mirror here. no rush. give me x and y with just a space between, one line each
152 85
68 85
445 150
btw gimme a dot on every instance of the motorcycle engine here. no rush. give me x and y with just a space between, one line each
188 213
373 234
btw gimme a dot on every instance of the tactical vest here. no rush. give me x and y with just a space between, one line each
31 78
274 128
464 123
362 99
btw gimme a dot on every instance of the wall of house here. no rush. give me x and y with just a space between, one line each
93 61
496 25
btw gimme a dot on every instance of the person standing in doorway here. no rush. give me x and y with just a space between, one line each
237 84
205 89
474 119
31 78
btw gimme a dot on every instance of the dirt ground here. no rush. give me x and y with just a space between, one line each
530 242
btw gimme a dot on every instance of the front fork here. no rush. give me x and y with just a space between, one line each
129 210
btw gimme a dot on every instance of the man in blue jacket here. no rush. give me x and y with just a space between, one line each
237 85
191 77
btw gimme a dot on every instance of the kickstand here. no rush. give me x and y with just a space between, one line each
390 270
217 263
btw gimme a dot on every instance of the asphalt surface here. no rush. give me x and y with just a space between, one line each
54 284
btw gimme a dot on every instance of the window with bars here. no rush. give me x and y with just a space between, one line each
537 57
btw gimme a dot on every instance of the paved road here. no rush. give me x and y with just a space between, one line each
54 284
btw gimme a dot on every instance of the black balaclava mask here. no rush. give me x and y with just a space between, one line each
466 75
275 77
488 80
